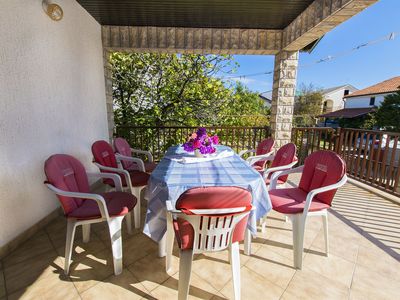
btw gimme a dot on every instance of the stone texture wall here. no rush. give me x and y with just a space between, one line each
109 97
284 88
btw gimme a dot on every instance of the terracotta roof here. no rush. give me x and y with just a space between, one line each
348 113
387 86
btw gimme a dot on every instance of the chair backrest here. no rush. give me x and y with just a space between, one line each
103 154
67 173
265 146
322 168
284 156
212 217
122 147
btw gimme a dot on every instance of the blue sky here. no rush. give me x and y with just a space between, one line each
362 68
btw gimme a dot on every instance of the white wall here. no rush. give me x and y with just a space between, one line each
52 99
337 96
363 101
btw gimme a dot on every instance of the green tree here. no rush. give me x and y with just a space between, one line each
308 105
169 89
388 114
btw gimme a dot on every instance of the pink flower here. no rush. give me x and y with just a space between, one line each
197 144
194 135
215 139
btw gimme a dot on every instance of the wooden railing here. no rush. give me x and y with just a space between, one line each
372 157
158 139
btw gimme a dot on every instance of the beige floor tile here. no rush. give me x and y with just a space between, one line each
368 284
37 245
199 288
253 286
307 284
275 268
123 286
216 272
138 247
150 271
51 287
332 267
2 285
346 248
89 271
380 261
27 272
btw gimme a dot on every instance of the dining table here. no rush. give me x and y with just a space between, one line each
179 171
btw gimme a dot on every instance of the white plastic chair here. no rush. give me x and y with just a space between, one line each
212 230
263 151
299 203
63 170
106 160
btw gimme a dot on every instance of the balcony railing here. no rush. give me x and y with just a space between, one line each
372 157
158 139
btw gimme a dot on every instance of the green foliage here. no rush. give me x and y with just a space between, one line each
308 104
152 89
388 114
364 122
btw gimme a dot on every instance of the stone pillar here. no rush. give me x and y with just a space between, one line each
284 89
109 91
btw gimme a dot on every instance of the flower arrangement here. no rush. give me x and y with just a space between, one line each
201 142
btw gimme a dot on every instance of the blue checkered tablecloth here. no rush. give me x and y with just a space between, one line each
171 178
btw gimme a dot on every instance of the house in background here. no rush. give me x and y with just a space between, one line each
362 102
333 97
267 98
372 96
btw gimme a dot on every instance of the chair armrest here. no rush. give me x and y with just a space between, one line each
85 196
317 191
147 153
123 172
277 174
267 157
243 152
116 178
136 160
280 168
171 208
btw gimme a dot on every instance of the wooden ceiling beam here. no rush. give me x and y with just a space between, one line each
319 18
191 40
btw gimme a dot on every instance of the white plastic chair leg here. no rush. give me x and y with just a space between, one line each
136 210
247 242
185 272
114 225
128 219
169 243
263 224
69 244
85 232
235 265
325 222
298 240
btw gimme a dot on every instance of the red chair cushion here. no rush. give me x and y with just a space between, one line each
265 146
103 154
208 198
268 181
259 165
118 204
67 173
284 156
138 178
292 201
148 166
322 168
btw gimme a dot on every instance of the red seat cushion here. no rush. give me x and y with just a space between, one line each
322 168
208 198
268 181
122 147
148 166
138 178
68 174
259 165
118 204
265 146
292 201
